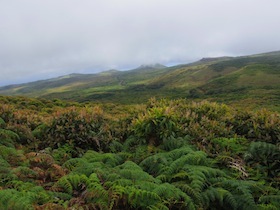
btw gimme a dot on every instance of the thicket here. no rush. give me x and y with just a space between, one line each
166 154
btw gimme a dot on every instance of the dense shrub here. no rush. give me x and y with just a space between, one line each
167 154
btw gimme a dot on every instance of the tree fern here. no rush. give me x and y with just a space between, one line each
172 143
265 157
242 191
11 155
138 188
24 173
89 168
95 190
158 163
139 197
8 138
20 185
132 142
193 158
177 153
2 123
155 164
73 163
40 159
272 199
115 146
171 194
107 158
140 153
12 199
158 206
190 191
222 198
72 183
132 171
6 173
8 134
36 194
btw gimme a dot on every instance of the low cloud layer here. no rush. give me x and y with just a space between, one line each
43 39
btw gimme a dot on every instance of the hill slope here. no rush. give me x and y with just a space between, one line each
252 79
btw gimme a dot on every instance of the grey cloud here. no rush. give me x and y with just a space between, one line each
42 39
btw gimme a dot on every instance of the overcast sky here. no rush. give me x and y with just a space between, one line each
44 39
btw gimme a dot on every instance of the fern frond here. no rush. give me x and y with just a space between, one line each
273 199
115 146
131 170
220 196
6 174
109 159
154 164
2 122
158 206
73 163
11 155
89 168
177 153
63 184
139 197
8 134
23 172
20 185
190 191
95 194
8 138
193 158
12 199
41 160
62 196
3 163
172 143
242 192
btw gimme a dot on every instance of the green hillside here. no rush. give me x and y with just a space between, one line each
252 81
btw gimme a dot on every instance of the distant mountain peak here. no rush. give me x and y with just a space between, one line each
152 66
109 72
209 59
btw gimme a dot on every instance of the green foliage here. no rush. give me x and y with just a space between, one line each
23 196
168 154
83 129
172 143
11 155
72 184
12 199
271 201
63 153
24 133
262 125
8 135
232 146
2 123
155 124
265 158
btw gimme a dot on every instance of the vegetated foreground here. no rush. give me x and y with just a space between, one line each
166 154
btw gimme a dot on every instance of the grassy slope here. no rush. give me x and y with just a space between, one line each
249 80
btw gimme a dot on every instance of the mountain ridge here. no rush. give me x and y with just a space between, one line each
227 79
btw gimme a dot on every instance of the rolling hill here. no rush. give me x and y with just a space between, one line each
250 81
